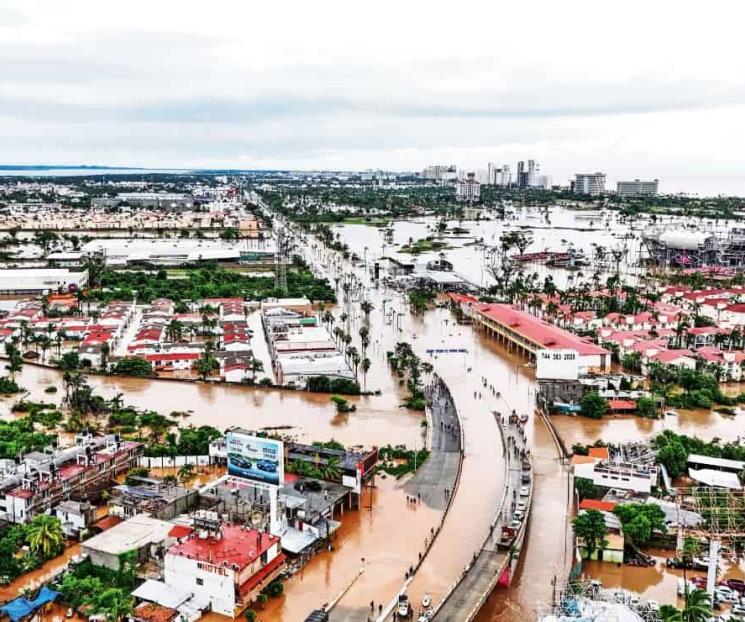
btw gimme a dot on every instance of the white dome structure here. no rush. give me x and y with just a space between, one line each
684 240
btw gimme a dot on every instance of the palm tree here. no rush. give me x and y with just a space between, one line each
44 535
332 469
174 331
366 307
365 364
15 361
185 472
44 343
697 608
690 550
105 351
256 366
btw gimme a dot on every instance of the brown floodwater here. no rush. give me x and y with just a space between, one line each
705 424
390 535
35 578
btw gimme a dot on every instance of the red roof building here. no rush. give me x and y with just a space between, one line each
229 567
533 335
596 504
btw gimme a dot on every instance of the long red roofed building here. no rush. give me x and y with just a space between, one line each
542 341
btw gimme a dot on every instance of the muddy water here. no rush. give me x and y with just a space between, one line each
386 536
571 228
34 579
389 535
702 423
377 421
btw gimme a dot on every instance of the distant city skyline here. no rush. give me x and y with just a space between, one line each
233 86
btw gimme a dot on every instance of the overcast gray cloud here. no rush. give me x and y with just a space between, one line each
634 89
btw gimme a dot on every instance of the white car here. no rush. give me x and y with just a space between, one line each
518 515
738 609
521 505
524 491
725 594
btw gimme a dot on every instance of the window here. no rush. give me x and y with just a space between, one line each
200 581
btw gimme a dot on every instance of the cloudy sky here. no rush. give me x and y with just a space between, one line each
635 89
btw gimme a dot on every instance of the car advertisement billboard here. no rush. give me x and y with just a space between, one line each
255 458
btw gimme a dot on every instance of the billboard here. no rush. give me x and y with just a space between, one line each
255 458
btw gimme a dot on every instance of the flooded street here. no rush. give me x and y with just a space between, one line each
388 534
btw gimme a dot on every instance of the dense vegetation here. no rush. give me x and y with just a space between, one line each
673 450
409 368
42 536
688 388
101 590
203 283
324 384
398 461
18 436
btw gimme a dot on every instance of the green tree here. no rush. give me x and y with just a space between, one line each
185 472
674 457
133 366
697 608
113 603
44 535
590 527
206 364
647 407
174 331
639 521
594 405
585 488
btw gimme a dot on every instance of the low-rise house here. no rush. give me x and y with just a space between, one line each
42 480
75 517
637 478
728 361
682 359
151 497
142 536
172 361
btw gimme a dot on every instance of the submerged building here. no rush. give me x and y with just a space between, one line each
695 248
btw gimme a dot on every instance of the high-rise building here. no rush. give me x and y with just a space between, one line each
527 176
468 188
637 188
540 181
497 175
439 172
504 177
589 183
522 175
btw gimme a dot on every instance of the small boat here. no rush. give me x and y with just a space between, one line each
426 600
671 413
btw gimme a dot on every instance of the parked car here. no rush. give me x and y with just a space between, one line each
404 608
736 584
678 562
699 582
725 594
521 506
524 491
